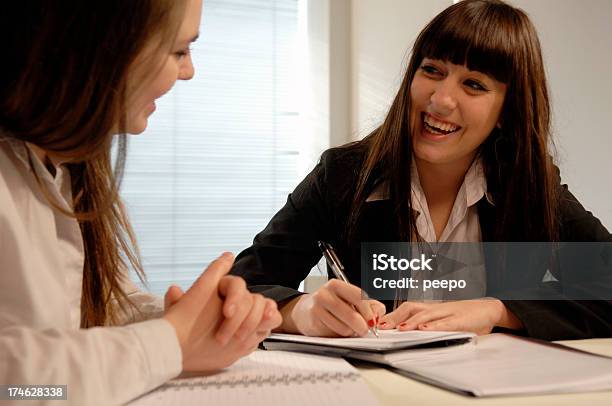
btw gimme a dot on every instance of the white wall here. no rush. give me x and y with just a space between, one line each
576 38
382 32
325 85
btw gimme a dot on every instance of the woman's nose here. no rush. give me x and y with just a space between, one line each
186 71
443 99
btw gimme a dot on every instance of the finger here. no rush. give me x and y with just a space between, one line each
342 311
230 325
207 282
401 314
172 296
336 327
271 317
319 329
271 322
444 324
425 316
352 295
251 322
271 308
455 323
378 309
252 342
349 293
366 312
233 289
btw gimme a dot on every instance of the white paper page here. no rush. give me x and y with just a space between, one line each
505 365
269 377
387 340
445 354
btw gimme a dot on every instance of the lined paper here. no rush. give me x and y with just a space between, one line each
269 377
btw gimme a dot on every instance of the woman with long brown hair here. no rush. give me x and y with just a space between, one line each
76 77
463 155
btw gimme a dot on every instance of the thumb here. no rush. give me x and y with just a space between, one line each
207 282
172 296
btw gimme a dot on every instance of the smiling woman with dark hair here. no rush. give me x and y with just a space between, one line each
463 155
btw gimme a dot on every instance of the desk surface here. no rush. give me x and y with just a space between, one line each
393 389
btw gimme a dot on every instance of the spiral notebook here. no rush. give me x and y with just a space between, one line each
269 378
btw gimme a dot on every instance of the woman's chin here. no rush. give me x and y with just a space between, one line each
137 126
433 154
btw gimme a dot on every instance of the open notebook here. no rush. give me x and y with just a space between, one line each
269 378
490 365
507 365
390 347
388 340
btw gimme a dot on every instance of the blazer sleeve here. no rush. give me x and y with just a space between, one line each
283 254
569 319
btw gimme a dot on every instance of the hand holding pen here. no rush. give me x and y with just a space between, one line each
336 309
338 270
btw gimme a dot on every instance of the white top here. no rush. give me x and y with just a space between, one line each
41 272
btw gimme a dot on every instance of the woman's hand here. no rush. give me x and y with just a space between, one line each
245 313
329 312
477 316
214 333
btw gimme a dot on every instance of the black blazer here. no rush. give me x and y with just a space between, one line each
283 253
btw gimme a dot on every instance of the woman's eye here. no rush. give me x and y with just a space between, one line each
474 85
182 53
431 70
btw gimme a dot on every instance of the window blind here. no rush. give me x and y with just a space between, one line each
220 153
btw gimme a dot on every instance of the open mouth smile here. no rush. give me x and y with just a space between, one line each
437 127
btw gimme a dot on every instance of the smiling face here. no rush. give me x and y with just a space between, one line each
453 110
146 86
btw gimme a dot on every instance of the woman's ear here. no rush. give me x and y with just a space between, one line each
498 125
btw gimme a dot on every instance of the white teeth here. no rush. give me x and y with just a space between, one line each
440 125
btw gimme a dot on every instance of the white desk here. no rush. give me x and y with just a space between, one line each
393 389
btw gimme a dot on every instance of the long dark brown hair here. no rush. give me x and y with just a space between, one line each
497 39
63 87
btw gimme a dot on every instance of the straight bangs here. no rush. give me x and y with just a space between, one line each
480 35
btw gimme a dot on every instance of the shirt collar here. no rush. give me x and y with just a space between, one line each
19 148
474 182
474 185
24 152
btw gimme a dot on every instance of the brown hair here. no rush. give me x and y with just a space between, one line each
64 90
497 39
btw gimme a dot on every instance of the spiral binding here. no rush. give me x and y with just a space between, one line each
260 381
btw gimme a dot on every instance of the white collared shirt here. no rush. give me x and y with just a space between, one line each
41 274
463 226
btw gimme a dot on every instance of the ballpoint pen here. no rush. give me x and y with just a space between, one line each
338 270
